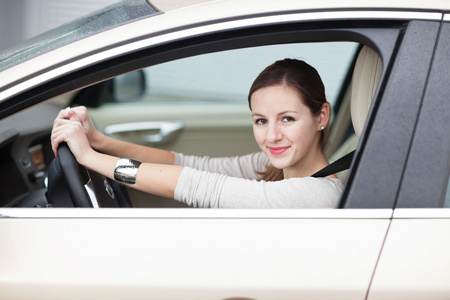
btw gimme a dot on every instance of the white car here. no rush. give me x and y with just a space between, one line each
174 74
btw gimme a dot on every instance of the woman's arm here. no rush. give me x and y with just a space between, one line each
249 166
107 145
211 190
158 179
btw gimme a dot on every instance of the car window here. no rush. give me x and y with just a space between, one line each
205 98
228 75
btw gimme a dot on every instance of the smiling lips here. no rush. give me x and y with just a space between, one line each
277 150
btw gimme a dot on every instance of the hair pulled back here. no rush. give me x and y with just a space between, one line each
302 78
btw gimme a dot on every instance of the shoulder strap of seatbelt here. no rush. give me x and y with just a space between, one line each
339 165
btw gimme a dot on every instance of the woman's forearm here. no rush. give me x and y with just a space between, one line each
157 179
120 148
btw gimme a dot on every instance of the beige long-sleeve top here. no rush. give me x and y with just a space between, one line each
230 182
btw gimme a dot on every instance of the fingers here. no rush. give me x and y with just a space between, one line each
57 135
55 140
63 131
73 134
69 112
79 110
63 126
63 114
73 116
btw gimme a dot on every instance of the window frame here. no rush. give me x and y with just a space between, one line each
431 146
388 133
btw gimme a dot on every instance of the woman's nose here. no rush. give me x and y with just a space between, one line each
274 133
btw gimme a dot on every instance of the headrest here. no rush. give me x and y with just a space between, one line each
366 77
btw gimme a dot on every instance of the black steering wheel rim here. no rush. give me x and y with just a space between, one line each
72 174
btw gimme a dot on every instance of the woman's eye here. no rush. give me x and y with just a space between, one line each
260 121
288 119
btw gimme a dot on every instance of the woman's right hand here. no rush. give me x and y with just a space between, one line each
71 132
81 115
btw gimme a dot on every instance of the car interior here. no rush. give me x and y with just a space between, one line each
34 178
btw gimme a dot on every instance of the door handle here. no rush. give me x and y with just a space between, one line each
165 130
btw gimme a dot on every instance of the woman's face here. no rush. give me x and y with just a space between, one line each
285 129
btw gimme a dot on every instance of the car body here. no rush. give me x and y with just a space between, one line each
388 239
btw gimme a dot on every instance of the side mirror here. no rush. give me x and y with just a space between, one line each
128 87
124 88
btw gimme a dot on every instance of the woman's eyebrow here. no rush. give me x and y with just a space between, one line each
257 115
279 114
288 112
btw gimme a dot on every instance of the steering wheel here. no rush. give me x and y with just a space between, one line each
67 180
75 176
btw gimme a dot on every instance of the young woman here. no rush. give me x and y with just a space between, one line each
290 116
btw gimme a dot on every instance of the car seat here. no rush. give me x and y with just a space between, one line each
366 76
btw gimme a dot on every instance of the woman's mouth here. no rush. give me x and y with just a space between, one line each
277 150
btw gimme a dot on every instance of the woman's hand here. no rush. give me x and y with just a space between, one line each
81 115
73 133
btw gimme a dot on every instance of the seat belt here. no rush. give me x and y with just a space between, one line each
339 165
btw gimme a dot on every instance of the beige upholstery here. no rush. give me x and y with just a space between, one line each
366 77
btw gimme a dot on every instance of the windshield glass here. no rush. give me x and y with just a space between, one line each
109 17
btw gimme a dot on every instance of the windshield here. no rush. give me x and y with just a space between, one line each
109 17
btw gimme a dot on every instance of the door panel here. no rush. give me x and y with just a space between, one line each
193 254
414 263
415 259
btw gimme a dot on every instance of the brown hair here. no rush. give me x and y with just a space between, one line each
305 80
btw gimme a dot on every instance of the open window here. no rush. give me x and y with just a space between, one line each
198 105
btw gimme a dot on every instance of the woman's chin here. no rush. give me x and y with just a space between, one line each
278 163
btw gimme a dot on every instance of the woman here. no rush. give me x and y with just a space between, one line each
290 114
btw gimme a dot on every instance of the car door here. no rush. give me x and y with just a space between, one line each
414 262
194 254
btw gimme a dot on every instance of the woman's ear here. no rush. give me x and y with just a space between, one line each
324 115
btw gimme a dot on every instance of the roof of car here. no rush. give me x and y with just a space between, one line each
243 5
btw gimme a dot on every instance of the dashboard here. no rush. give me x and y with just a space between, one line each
25 153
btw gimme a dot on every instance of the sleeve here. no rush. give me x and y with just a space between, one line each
212 190
248 166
